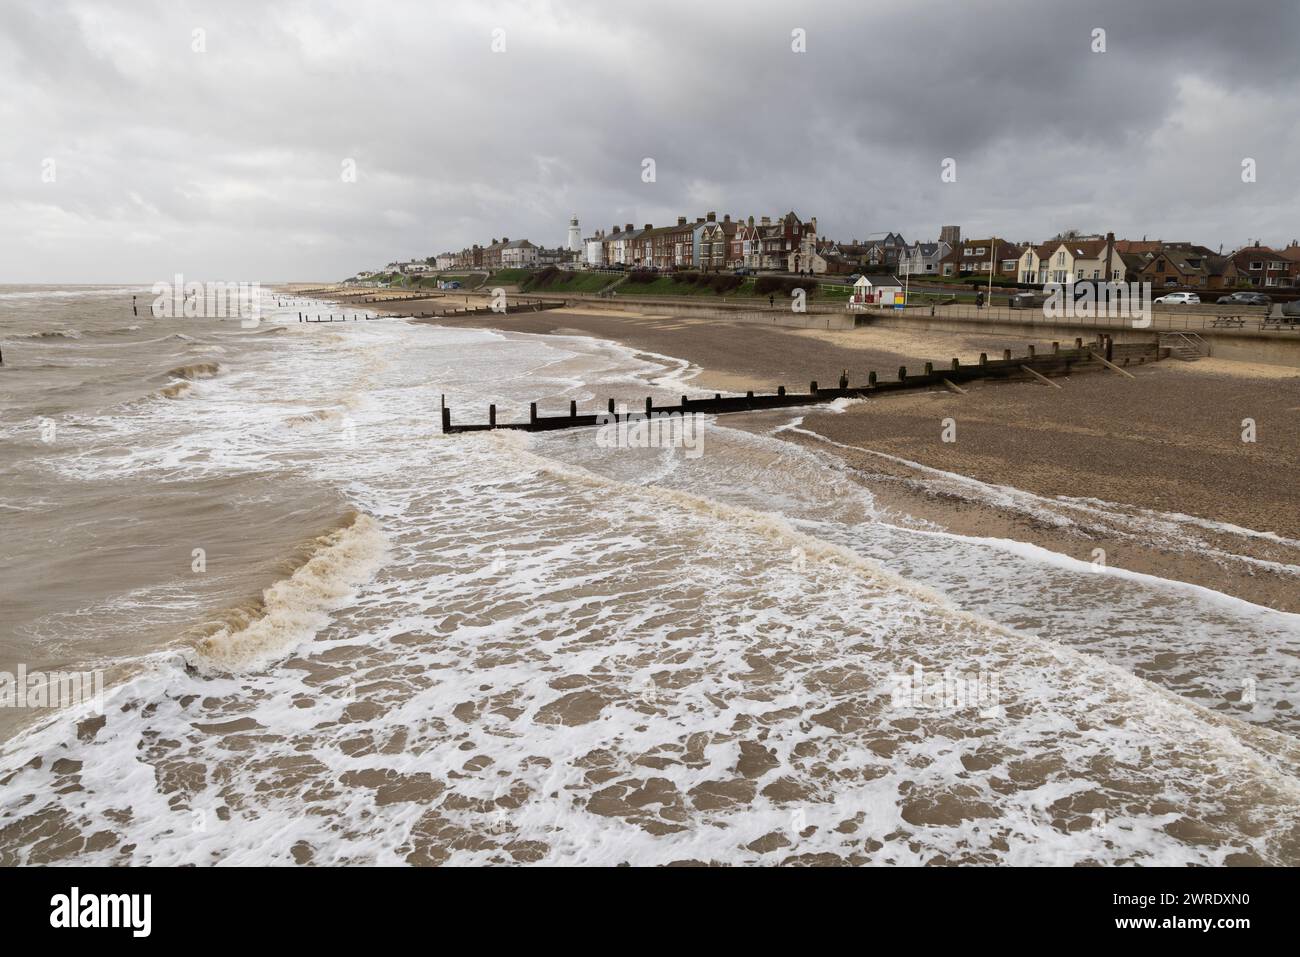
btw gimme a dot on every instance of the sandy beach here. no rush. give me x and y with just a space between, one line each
1168 440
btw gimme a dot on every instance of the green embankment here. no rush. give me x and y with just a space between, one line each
509 277
560 280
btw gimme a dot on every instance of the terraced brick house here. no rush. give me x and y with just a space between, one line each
711 247
1263 267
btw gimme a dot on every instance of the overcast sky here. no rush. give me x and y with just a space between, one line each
128 155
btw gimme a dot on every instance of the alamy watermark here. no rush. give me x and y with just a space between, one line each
660 430
1092 300
179 299
948 691
52 689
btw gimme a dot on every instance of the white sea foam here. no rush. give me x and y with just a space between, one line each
578 655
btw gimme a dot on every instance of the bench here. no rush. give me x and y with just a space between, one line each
1229 322
1281 323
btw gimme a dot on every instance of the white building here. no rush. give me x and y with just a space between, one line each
517 253
881 290
922 259
596 249
575 235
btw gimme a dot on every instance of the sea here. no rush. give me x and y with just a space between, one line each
322 632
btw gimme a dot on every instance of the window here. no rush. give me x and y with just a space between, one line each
1116 276
968 251
947 269
1008 265
1272 280
1171 280
1060 258
1256 265
979 251
1096 274
1078 275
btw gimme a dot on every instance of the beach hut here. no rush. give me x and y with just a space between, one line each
879 290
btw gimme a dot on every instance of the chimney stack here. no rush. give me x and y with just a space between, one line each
681 220
712 217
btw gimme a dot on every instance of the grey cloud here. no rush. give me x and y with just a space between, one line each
227 163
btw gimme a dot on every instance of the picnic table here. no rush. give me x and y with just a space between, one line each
1229 322
1281 322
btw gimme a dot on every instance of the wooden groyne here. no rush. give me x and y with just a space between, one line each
1103 354
458 312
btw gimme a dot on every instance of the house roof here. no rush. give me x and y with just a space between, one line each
880 279
1137 245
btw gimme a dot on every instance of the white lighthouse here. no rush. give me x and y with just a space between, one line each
575 235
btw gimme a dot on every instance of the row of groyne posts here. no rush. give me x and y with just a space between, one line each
535 305
1103 353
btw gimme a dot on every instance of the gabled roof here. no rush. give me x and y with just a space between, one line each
1137 245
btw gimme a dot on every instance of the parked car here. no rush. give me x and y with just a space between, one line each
1291 309
1027 300
855 277
454 284
1179 299
1246 299
743 271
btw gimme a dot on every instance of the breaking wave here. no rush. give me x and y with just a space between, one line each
293 610
197 370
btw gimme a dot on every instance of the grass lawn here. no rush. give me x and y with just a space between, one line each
510 277
664 286
569 282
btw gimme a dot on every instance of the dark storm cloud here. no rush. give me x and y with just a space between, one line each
227 162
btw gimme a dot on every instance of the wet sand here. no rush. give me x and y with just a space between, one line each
1169 440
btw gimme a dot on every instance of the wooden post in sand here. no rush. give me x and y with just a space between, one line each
780 390
929 368
492 416
871 377
532 413
573 408
611 406
1006 355
844 379
812 387
955 365
446 419
902 373
648 407
984 358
